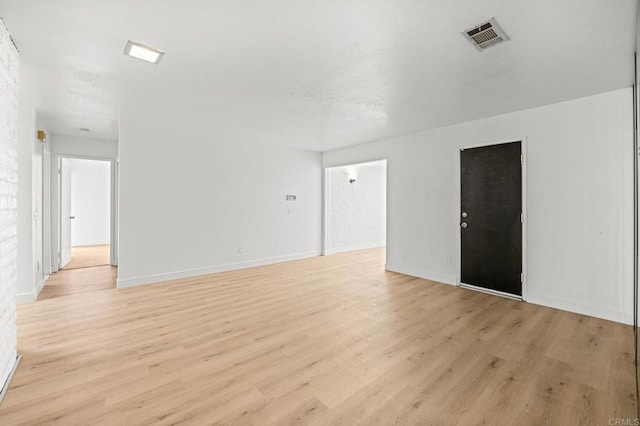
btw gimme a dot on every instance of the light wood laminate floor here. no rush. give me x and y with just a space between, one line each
330 340
89 256
82 280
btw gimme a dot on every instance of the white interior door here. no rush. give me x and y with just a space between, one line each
65 212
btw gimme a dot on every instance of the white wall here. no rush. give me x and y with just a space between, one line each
26 139
31 272
36 206
9 77
579 200
355 212
90 202
75 146
45 177
188 202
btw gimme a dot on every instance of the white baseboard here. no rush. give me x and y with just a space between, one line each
188 273
427 275
581 308
31 297
551 302
22 298
40 285
352 248
5 385
91 244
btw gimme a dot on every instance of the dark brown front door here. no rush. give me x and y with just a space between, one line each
490 222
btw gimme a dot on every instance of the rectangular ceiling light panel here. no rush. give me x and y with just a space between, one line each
140 51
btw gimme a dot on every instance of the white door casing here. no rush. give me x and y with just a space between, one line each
65 212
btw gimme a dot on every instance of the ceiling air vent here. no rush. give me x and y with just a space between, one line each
485 35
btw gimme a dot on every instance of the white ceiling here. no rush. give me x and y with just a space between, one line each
314 75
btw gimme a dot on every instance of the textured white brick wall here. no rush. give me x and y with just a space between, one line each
8 202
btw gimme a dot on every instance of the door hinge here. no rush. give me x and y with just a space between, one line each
521 217
521 277
521 159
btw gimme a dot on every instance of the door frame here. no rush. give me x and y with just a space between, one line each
523 151
59 203
55 207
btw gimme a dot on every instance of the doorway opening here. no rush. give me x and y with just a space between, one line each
355 207
85 210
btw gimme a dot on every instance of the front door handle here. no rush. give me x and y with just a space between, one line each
463 225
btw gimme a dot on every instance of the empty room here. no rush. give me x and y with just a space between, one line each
327 212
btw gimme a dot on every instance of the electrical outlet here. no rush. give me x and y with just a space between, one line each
448 260
240 249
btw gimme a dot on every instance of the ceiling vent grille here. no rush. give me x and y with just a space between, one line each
485 35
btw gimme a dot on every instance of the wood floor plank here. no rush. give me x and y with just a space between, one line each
323 341
89 256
